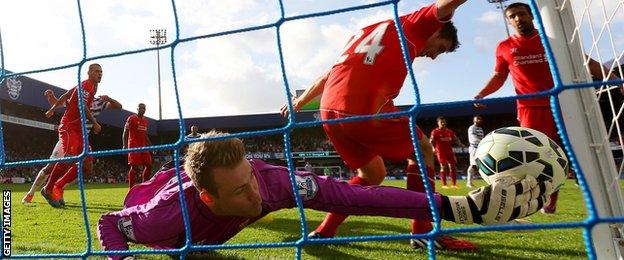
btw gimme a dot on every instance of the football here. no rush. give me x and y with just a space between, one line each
518 151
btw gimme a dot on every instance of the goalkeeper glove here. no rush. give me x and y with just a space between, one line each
504 200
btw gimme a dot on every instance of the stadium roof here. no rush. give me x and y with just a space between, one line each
276 119
29 91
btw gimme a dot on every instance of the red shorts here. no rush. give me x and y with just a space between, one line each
71 141
446 158
540 119
140 158
358 142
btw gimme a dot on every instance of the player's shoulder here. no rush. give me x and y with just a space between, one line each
430 9
508 42
87 84
263 167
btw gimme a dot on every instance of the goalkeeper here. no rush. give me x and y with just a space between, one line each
224 193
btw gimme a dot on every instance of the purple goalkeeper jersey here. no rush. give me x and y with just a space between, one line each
152 214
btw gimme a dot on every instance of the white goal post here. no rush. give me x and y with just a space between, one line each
585 128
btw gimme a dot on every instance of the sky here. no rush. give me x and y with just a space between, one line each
240 73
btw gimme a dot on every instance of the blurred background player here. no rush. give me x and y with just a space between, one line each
99 103
442 139
193 133
364 80
225 193
522 55
70 131
475 135
135 135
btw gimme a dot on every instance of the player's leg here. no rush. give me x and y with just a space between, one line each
366 176
452 166
44 173
472 169
71 142
415 180
71 176
415 183
147 169
132 175
134 162
355 156
453 175
541 119
470 173
443 171
40 180
392 140
86 170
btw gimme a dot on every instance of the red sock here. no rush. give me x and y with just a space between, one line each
443 177
553 201
131 177
145 175
415 183
69 176
453 173
59 168
329 226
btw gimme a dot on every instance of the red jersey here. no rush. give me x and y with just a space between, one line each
443 139
137 131
524 57
71 118
371 70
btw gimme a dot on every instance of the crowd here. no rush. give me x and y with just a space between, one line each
113 168
301 141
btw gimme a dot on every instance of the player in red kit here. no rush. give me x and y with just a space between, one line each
364 80
70 130
443 138
97 106
522 55
135 135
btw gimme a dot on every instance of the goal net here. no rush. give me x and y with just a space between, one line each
589 114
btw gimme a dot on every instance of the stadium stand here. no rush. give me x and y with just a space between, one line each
30 135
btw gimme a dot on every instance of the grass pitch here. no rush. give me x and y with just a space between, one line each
38 228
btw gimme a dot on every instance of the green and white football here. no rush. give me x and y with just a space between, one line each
518 151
